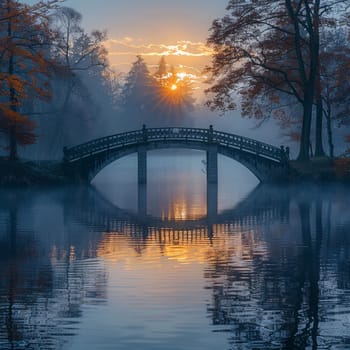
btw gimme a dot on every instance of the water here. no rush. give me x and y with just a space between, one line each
82 268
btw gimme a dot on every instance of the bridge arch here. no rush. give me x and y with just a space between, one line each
266 162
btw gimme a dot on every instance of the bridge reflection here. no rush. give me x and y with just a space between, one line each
261 205
276 266
179 213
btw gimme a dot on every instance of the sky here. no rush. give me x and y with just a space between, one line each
152 28
177 29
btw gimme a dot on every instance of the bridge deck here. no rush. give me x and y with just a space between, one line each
205 136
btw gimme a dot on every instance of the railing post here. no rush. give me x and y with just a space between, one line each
282 153
210 134
144 133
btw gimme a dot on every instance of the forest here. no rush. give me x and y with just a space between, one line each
287 61
283 62
58 89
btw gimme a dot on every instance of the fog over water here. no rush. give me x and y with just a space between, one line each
81 268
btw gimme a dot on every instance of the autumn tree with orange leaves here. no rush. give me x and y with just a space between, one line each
25 67
268 53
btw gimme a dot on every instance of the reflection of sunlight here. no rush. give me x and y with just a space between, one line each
183 246
182 208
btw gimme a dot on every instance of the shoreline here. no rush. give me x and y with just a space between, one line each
25 173
320 170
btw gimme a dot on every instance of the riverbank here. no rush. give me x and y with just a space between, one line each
320 170
50 173
31 173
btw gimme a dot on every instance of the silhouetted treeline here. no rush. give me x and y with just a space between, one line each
57 88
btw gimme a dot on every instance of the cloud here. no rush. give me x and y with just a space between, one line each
186 56
132 46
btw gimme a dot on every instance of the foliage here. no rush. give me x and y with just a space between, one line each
138 93
268 53
160 99
25 66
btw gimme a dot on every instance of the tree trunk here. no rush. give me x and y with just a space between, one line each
304 153
329 131
310 77
319 151
12 98
13 143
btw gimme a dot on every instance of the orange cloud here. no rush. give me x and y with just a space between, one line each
131 46
187 57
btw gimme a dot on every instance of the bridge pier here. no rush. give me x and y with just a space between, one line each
142 200
212 164
142 165
212 201
212 186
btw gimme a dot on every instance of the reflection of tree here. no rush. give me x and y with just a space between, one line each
268 293
277 281
19 278
268 266
41 285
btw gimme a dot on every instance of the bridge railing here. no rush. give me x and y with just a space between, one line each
250 145
168 134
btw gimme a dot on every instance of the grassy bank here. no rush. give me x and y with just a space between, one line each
30 173
50 173
321 170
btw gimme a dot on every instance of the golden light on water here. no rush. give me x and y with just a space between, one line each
181 209
181 246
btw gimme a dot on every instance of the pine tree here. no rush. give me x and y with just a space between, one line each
138 96
161 72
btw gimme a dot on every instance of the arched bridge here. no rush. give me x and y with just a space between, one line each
266 162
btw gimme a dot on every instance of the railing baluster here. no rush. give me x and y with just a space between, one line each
228 140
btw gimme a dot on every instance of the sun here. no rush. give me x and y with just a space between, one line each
173 87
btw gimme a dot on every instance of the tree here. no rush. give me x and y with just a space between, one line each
161 99
263 49
76 50
161 72
138 95
174 95
25 67
80 56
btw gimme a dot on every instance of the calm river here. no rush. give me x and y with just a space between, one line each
99 268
